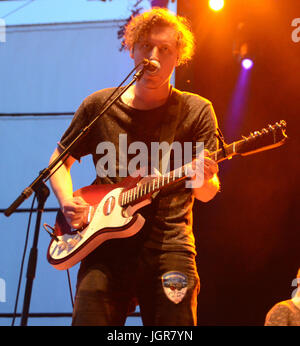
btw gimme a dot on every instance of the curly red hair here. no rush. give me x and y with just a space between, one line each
141 24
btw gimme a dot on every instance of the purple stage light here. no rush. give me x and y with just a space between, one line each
159 3
247 64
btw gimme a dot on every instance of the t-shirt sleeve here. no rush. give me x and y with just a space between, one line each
206 128
277 316
80 120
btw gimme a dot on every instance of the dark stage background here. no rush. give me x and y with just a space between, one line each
248 237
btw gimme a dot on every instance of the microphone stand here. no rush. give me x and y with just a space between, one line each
42 192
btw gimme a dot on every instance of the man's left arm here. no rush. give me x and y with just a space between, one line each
211 184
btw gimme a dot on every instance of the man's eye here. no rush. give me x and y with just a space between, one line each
165 49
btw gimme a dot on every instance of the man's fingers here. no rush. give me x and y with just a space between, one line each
211 165
75 211
156 172
80 201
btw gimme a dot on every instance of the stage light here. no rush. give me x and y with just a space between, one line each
216 5
159 3
247 63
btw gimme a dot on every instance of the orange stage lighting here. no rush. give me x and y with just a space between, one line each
216 5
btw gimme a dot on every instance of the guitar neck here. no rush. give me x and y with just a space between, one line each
226 152
268 138
158 182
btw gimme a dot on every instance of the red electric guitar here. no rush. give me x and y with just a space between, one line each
112 212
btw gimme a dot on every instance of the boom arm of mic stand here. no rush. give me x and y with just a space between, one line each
45 173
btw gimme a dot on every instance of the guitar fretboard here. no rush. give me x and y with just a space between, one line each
268 138
154 184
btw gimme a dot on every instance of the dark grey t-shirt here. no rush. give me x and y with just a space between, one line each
169 217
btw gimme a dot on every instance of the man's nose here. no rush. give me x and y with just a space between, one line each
154 54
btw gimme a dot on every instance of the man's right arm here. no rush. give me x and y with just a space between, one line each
73 208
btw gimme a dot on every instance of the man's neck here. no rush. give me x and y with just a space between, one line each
145 98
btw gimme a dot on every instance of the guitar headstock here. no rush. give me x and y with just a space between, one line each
271 137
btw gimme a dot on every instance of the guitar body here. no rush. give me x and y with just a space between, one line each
109 220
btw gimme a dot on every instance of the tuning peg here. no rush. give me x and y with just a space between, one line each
270 127
283 123
264 130
257 133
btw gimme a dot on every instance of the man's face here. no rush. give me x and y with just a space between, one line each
160 45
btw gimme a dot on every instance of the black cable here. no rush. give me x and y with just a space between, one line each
61 163
70 288
22 263
17 9
47 114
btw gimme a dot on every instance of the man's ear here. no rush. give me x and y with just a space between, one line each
131 53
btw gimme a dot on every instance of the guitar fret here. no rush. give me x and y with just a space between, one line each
138 191
142 190
128 196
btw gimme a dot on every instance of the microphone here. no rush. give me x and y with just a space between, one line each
151 65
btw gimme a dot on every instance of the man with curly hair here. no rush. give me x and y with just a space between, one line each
156 267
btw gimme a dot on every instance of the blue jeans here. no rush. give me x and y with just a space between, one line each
164 284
